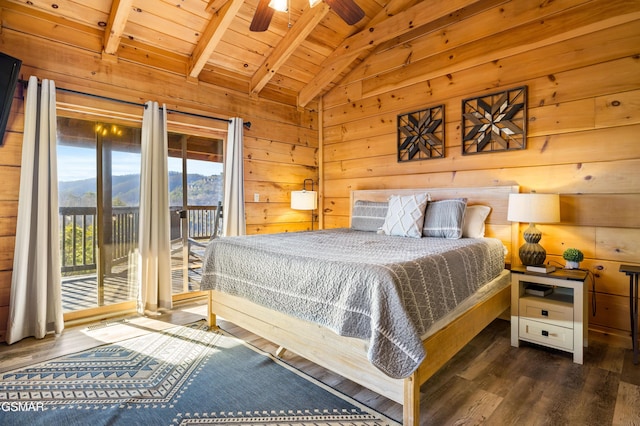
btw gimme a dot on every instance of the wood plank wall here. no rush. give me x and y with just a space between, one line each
280 148
581 62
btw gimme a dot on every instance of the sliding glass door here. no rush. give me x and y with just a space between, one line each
99 191
195 189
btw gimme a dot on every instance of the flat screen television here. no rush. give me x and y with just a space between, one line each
9 75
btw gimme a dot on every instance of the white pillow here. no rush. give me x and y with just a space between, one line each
405 215
474 217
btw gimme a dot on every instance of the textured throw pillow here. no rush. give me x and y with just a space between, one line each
473 224
368 215
443 218
405 215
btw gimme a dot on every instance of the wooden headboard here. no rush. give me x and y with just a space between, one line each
496 197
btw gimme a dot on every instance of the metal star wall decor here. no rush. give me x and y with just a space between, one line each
495 122
421 134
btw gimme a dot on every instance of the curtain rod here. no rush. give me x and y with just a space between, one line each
25 83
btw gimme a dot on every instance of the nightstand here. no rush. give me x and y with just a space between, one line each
559 319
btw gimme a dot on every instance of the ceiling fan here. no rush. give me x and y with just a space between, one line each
348 10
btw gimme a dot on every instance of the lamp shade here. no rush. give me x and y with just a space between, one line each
304 200
534 208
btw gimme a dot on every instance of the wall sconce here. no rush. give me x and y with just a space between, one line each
305 200
533 208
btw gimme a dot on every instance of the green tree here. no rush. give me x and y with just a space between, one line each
83 251
117 202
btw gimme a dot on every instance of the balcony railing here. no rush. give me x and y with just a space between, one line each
201 221
79 242
78 239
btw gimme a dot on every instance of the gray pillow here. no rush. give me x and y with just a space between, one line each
444 218
405 216
368 215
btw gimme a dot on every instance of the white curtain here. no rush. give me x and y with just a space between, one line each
233 202
35 306
154 267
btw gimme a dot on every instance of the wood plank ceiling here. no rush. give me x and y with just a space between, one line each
302 55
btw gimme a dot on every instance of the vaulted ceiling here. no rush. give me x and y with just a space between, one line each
303 54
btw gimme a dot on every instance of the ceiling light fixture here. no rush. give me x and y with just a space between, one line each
279 5
348 10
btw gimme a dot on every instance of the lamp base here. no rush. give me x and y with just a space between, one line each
532 253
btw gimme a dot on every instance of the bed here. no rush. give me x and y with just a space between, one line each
387 338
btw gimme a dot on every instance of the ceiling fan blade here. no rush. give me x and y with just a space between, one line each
348 10
262 17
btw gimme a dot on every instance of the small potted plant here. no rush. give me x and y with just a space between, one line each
573 257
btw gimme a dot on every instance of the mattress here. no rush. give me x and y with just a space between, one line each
385 289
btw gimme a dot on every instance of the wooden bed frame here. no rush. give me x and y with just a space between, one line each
348 356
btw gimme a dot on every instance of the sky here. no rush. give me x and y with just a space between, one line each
76 163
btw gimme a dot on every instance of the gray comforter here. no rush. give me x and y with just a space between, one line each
385 289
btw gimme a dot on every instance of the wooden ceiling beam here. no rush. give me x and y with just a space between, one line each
215 5
212 35
309 19
118 18
385 26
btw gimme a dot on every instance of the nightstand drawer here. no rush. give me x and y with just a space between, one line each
547 310
546 334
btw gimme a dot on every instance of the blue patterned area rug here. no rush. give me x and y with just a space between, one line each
183 376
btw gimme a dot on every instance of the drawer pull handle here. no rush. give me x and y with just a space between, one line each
545 313
545 333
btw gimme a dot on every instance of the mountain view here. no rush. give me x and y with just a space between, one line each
202 190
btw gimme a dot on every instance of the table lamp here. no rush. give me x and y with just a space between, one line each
533 208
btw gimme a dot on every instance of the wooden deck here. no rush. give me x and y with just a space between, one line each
81 292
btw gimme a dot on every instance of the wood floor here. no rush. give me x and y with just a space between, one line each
488 382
